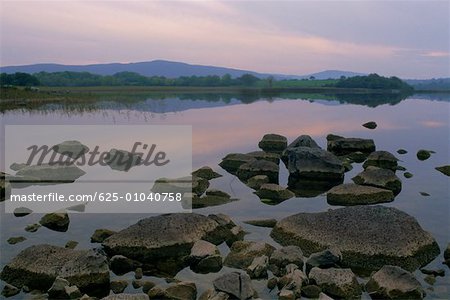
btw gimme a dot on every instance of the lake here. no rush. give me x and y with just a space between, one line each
225 124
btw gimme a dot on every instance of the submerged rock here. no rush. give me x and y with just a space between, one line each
381 178
367 236
381 159
339 283
274 192
270 223
408 175
392 282
206 173
71 244
242 253
423 154
274 143
444 170
258 167
50 174
231 162
370 125
353 194
72 149
16 239
32 227
237 285
342 146
57 221
140 296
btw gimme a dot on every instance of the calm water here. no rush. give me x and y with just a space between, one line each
228 124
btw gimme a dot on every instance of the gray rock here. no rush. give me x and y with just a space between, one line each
370 125
301 141
182 291
381 159
242 253
32 227
274 192
274 143
122 160
71 244
22 211
258 167
118 286
72 149
100 235
342 146
257 181
51 174
339 283
10 290
262 155
38 266
285 294
293 280
367 236
57 221
329 258
284 256
354 194
188 184
444 170
381 178
258 267
140 296
270 223
392 282
120 264
238 285
205 257
423 154
231 162
206 173
58 289
16 239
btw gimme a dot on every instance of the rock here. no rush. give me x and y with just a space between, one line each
311 291
72 149
274 192
367 236
430 279
118 286
329 258
57 221
381 178
217 193
444 170
402 151
270 223
293 280
285 294
237 285
58 289
182 291
77 208
233 161
400 168
210 200
447 252
16 239
392 282
71 245
147 286
424 194
32 227
73 292
206 173
10 290
38 266
52 174
370 125
17 166
339 283
353 194
438 272
237 234
122 160
126 297
262 155
138 273
357 157
5 187
100 235
205 257
273 143
214 295
381 159
408 175
188 184
258 167
120 264
258 267
284 256
343 146
22 211
272 283
257 181
242 253
423 154
323 296
301 141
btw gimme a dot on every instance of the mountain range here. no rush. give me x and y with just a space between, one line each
169 69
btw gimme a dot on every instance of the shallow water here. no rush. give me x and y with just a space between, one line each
228 125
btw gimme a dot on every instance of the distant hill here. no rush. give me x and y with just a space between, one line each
439 84
164 68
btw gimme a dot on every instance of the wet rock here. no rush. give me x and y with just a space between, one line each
258 167
423 154
285 294
52 174
262 155
329 258
32 227
10 290
237 285
274 143
342 146
120 264
381 159
353 194
293 280
408 175
308 188
16 239
205 257
274 192
188 184
381 178
72 149
140 296
22 211
339 283
270 223
444 170
100 235
231 162
242 253
402 151
311 291
257 181
370 125
301 141
38 266
258 267
392 282
57 221
367 236
206 173
118 286
58 289
284 256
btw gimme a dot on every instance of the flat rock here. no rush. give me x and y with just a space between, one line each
257 181
354 194
17 166
231 162
32 227
274 143
392 282
283 257
71 244
258 167
368 237
72 149
242 253
51 174
339 283
381 178
237 285
217 193
270 223
206 173
444 169
57 221
381 159
269 156
22 211
402 151
342 146
274 192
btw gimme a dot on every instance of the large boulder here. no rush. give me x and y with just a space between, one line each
368 237
231 162
380 178
381 159
342 146
301 141
392 282
353 194
38 266
72 149
242 253
235 284
274 143
258 167
339 283
50 174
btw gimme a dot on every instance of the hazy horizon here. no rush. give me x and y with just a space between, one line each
408 39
